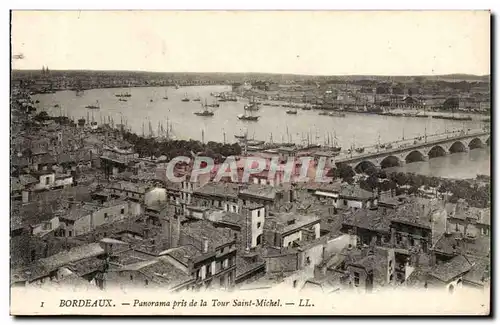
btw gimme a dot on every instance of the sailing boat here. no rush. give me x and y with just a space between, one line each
166 96
185 99
197 99
248 117
205 111
252 106
335 147
96 106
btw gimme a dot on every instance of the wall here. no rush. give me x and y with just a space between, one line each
336 245
258 216
312 256
288 239
67 181
155 196
91 221
43 181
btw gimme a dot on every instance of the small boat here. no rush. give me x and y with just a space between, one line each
291 111
125 94
37 101
360 150
122 100
323 113
240 136
96 106
197 99
56 105
185 99
307 108
388 146
215 104
177 86
205 111
336 114
166 96
245 117
255 142
150 100
336 149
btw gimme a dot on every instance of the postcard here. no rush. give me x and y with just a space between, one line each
250 163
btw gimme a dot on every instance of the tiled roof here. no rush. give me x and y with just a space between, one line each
184 253
376 220
355 192
449 270
260 191
46 265
288 221
203 229
219 189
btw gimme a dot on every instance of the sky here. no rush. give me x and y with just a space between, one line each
295 42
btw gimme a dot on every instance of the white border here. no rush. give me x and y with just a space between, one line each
192 5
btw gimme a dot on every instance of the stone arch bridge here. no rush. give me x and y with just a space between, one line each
420 151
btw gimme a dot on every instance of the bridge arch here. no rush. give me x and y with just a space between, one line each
475 143
458 146
390 161
437 151
415 155
363 166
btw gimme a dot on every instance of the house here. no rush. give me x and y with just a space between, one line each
154 272
217 195
208 253
469 221
283 229
267 195
61 265
354 197
248 225
82 219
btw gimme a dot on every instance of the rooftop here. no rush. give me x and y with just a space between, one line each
204 229
376 220
289 221
46 265
450 270
355 192
184 253
218 189
260 191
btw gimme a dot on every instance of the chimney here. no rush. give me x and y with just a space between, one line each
205 245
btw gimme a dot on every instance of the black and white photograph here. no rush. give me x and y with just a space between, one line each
250 162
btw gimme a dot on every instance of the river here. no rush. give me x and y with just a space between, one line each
147 105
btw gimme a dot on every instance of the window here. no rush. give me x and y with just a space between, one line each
105 216
259 239
131 277
222 281
122 211
258 225
391 277
258 213
146 281
356 279
47 180
70 233
345 202
33 255
308 261
295 283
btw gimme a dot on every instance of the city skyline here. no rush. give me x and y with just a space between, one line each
252 42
